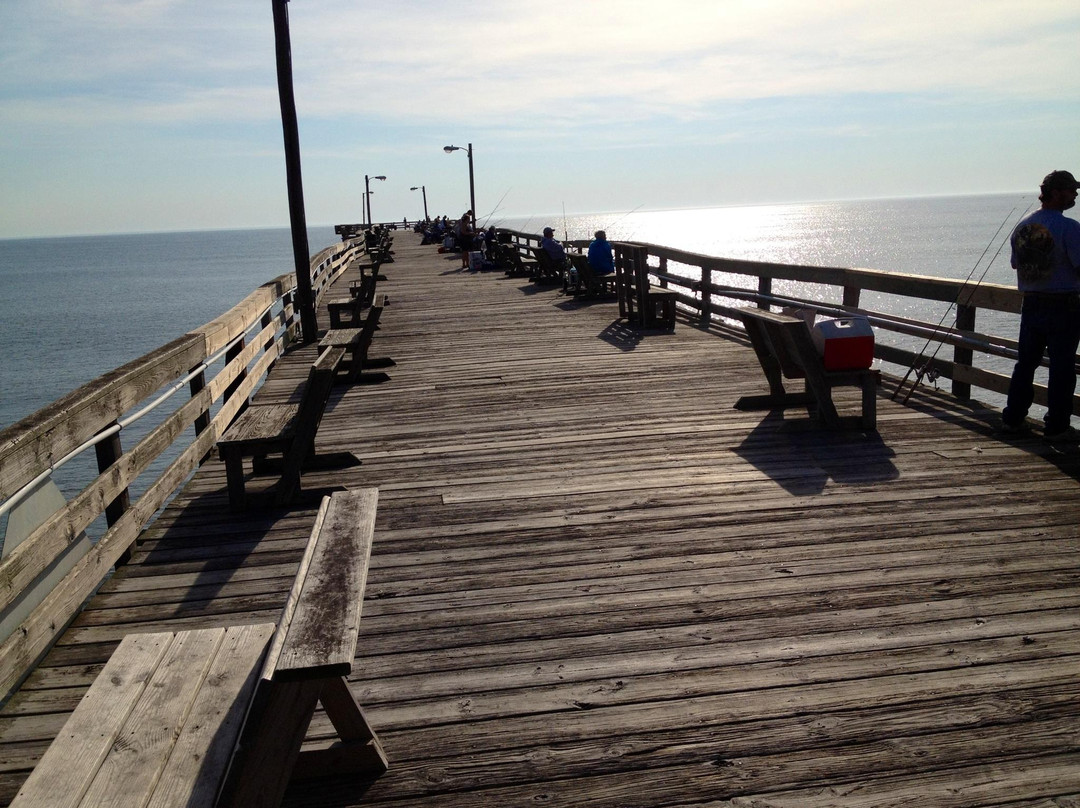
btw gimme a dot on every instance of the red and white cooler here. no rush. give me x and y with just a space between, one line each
845 343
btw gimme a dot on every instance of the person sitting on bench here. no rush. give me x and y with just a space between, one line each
601 258
553 247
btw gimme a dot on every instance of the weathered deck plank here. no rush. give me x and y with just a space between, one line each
593 581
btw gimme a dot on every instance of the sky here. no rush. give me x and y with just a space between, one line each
120 116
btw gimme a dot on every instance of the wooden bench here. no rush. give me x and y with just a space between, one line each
347 312
588 281
640 302
285 429
785 349
515 266
356 341
217 716
548 270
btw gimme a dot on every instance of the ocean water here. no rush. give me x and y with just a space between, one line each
76 307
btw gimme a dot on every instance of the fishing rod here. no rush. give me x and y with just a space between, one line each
925 369
565 236
635 210
498 204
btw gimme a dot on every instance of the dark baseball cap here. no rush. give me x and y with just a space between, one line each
1060 179
549 232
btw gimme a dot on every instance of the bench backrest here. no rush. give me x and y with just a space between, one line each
788 339
367 333
546 262
313 403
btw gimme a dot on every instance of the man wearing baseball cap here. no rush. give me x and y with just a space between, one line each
1046 257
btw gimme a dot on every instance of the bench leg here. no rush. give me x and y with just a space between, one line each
264 764
358 752
234 477
820 394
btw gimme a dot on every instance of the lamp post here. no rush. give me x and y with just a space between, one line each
367 195
422 189
305 299
472 187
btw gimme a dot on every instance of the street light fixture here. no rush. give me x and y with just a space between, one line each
367 195
422 189
472 187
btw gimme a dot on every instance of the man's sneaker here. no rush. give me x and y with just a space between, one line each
1067 435
1021 428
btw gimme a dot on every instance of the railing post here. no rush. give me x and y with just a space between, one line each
764 288
196 387
663 271
706 295
851 296
290 319
622 270
641 281
108 451
266 320
230 355
965 320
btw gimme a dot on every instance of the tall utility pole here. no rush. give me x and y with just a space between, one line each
305 300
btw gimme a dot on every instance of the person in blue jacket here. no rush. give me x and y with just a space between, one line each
1046 257
601 261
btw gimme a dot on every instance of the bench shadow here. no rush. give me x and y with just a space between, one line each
573 303
801 456
621 335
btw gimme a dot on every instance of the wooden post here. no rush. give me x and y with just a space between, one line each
851 296
641 282
622 285
965 319
764 288
196 387
108 452
706 295
230 355
305 300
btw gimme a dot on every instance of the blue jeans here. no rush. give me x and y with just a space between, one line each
1051 323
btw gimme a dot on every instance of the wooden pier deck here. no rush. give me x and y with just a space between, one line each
596 583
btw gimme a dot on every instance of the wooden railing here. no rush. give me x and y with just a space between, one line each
709 289
244 343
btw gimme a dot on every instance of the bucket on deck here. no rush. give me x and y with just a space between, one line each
845 343
476 260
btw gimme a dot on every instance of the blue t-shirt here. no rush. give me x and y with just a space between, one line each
1046 253
601 260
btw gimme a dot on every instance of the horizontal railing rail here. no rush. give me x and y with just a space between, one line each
709 289
238 348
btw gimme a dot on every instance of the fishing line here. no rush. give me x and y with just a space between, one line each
497 206
635 210
925 370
